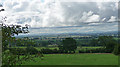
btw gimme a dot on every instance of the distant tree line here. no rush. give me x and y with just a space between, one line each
69 45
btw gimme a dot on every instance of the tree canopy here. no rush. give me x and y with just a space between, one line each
8 31
69 44
108 42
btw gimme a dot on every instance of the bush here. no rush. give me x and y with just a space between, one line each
31 50
60 51
17 51
23 51
99 50
116 50
54 51
46 51
81 51
8 58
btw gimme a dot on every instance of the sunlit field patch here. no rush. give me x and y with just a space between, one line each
75 59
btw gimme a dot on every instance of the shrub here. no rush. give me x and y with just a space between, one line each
23 51
46 51
60 51
17 51
99 50
31 50
53 51
116 50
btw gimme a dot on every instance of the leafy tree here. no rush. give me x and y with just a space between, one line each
60 47
116 50
8 32
31 50
44 43
69 44
103 40
110 46
94 42
108 42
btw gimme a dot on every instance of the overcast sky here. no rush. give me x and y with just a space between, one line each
87 15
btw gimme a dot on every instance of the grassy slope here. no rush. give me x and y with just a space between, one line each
76 59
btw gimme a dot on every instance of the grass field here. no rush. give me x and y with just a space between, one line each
75 59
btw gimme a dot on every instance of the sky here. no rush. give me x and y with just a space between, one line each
62 16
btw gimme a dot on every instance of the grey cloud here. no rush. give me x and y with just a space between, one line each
58 14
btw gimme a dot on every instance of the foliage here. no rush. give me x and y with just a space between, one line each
99 50
31 50
13 56
23 51
108 42
94 42
60 47
8 58
49 51
69 44
110 46
54 51
8 31
11 59
116 50
44 43
18 51
103 40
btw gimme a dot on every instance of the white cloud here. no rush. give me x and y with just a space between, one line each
89 17
112 19
52 13
93 18
85 16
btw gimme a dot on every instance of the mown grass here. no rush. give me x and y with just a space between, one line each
75 59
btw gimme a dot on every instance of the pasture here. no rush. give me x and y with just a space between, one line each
75 59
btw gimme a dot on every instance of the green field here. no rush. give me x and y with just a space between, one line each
75 59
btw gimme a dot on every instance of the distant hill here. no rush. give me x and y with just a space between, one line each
69 34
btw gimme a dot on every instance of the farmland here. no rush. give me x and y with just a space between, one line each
75 59
63 51
55 32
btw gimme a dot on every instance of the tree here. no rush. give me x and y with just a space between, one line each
94 42
116 50
110 46
8 32
69 44
108 42
31 50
